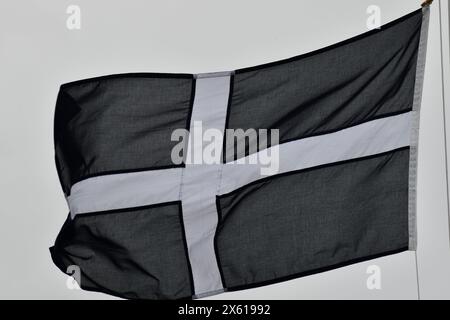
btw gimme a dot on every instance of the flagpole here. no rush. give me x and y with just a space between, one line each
443 110
423 5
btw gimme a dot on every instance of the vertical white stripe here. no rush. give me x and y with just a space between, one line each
200 183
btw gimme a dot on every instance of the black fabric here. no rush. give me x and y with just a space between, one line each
119 124
358 80
313 219
136 253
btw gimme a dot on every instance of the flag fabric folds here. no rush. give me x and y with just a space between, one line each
144 226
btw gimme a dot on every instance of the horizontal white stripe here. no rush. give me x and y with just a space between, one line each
125 190
366 139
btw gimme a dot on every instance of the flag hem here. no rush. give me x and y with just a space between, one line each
414 138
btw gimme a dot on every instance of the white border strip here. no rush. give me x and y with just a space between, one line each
414 138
